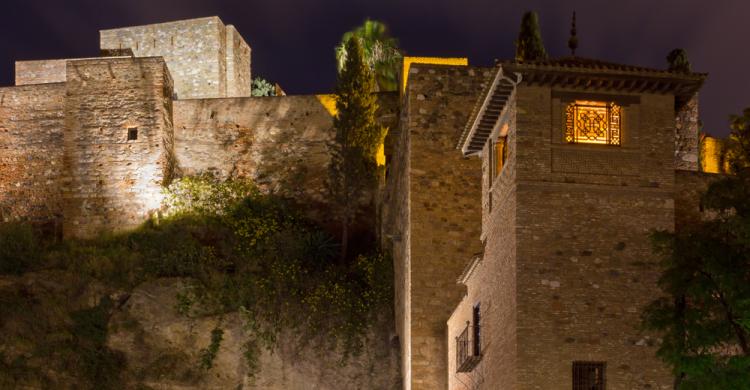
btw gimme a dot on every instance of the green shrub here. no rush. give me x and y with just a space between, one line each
240 251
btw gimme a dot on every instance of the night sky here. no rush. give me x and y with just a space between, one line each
293 40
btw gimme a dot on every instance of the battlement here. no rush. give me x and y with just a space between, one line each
206 58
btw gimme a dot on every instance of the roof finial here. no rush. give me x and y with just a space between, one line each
573 41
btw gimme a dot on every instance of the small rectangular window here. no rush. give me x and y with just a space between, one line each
589 375
132 133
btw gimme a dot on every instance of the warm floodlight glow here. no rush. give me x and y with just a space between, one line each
711 156
463 61
328 102
592 122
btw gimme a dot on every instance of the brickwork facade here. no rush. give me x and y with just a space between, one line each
568 264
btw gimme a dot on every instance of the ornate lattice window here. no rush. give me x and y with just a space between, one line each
591 122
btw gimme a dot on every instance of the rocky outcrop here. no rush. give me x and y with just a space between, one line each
151 345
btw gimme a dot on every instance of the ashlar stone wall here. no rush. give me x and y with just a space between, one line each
203 55
437 211
112 181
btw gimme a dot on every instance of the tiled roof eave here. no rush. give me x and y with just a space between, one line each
487 112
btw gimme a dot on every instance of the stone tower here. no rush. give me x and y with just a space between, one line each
579 164
118 142
206 58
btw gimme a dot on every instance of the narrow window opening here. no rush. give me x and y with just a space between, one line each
132 133
589 375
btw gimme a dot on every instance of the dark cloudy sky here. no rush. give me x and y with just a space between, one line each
293 40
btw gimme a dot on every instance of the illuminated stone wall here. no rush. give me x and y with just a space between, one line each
111 182
568 266
281 143
434 218
40 72
492 283
238 64
203 55
31 152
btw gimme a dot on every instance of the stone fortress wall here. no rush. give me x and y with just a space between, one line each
118 142
67 158
280 142
205 58
32 127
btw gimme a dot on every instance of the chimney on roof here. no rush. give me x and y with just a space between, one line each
573 41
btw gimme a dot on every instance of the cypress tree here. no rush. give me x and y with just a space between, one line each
353 169
529 46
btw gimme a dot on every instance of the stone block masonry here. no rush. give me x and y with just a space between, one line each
281 143
205 58
434 224
31 152
118 143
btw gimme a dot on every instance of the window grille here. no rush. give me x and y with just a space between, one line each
469 344
589 375
589 122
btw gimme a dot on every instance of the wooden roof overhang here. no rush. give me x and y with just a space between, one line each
569 73
487 112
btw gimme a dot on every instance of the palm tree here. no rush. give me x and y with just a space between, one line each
381 52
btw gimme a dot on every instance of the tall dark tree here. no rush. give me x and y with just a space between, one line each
705 317
678 61
353 167
529 46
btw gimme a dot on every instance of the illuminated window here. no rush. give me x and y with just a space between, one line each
499 153
589 122
589 375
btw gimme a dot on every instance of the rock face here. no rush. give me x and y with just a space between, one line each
162 349
49 323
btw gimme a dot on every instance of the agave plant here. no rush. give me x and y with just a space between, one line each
381 52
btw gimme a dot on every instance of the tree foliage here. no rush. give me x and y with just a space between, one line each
262 87
529 45
381 52
353 168
705 317
678 61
